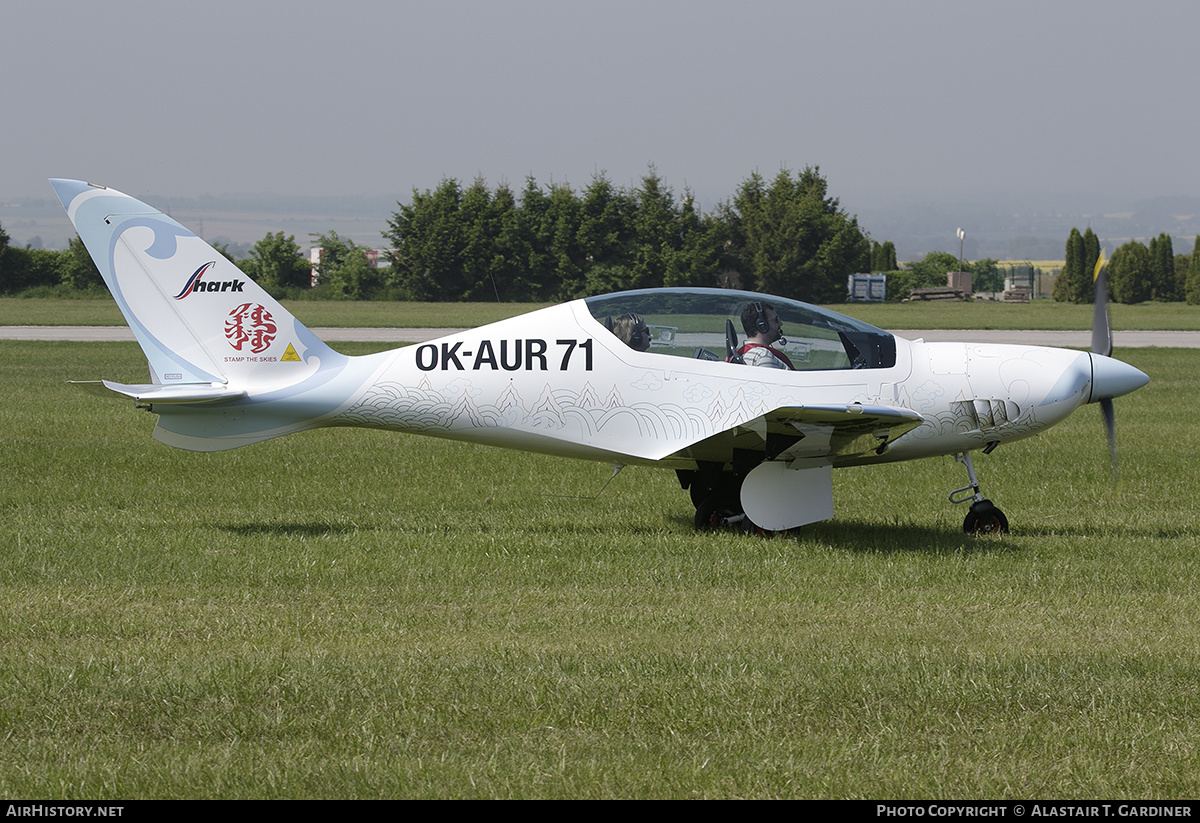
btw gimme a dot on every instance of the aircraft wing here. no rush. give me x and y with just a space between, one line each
839 431
834 433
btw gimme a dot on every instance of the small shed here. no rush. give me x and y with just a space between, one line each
867 288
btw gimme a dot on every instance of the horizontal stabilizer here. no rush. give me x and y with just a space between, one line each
150 393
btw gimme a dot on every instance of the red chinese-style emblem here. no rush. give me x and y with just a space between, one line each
250 324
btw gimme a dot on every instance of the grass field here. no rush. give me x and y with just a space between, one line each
351 613
1041 314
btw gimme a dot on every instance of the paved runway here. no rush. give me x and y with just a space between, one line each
1063 339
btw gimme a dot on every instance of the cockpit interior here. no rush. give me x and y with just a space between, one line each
707 324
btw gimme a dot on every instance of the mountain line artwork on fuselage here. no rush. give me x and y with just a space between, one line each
657 377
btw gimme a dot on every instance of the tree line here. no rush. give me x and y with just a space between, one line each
24 270
1137 272
786 236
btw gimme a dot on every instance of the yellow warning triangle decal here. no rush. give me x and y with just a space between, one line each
290 354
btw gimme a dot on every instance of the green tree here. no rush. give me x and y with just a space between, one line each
656 227
1070 285
26 268
223 248
864 252
986 275
354 279
883 256
742 216
1075 282
1091 254
1162 262
698 259
6 276
606 231
1130 274
1182 261
796 239
534 272
567 260
344 272
934 267
427 240
505 268
453 244
931 271
1192 292
76 269
607 277
889 256
482 259
1061 291
276 263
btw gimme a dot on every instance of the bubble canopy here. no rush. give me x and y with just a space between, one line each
698 323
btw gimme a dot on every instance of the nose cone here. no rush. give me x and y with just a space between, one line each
1112 378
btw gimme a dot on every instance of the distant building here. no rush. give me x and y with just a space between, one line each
870 288
960 281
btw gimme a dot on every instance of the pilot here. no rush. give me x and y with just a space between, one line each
632 330
763 328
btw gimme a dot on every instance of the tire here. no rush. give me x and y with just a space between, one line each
714 512
985 520
754 530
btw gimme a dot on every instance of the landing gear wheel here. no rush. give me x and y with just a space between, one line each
700 492
749 527
715 512
984 518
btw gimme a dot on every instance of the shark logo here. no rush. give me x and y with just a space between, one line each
195 284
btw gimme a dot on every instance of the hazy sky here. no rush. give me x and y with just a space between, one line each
892 100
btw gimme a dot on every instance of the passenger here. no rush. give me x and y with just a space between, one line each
763 327
632 330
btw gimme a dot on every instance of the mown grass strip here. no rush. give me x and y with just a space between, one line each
356 614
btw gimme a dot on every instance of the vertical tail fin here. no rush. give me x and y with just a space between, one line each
229 365
198 318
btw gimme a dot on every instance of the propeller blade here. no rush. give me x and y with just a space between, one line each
1101 328
1102 344
1110 425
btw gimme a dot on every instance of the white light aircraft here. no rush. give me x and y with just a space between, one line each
649 378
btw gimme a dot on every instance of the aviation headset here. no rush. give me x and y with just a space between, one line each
760 318
636 339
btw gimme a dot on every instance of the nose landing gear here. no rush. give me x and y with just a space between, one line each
984 517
